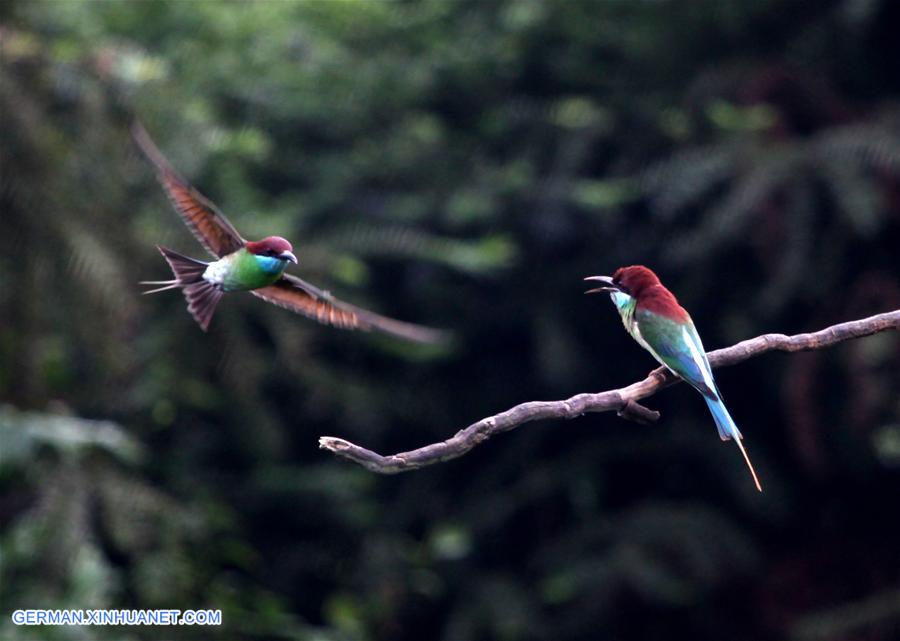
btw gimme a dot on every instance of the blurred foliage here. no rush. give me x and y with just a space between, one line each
462 164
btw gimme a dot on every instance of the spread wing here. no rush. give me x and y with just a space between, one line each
678 347
208 224
299 296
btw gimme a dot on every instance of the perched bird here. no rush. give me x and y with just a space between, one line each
653 317
257 267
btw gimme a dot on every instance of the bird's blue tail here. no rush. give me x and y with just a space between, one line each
727 429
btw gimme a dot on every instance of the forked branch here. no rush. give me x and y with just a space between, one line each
623 401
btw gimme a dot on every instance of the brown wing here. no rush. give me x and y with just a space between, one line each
299 296
203 218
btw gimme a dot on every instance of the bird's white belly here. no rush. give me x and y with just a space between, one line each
216 273
626 304
636 332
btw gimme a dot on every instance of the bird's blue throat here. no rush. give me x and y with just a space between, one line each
270 264
621 300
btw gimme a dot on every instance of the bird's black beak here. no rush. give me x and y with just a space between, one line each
607 285
286 255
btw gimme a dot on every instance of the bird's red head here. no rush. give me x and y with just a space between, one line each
274 246
643 285
634 279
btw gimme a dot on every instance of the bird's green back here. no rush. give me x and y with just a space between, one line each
677 345
248 271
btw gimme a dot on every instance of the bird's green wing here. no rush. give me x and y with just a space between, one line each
677 346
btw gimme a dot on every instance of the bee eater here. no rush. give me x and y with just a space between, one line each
653 317
242 265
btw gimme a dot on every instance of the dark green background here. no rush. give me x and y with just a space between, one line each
465 165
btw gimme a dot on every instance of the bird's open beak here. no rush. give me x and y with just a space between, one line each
288 256
607 282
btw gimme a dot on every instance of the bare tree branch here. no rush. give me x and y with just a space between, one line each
623 401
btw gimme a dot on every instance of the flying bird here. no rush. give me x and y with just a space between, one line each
254 266
653 317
